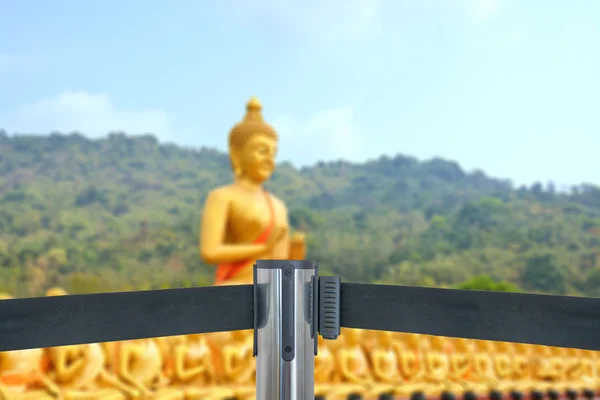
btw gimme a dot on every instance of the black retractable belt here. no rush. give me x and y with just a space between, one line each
527 318
559 321
105 317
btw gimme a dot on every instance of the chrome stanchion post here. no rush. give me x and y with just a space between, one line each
285 329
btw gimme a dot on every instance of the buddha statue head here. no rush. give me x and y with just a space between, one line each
575 353
486 346
413 340
241 335
522 348
353 336
504 347
462 344
559 351
542 350
437 342
385 338
196 337
253 146
587 353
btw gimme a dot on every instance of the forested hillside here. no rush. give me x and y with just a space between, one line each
123 213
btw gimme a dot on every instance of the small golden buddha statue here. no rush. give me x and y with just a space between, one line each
412 366
567 369
384 364
589 374
217 342
242 222
24 373
239 365
596 362
461 366
194 370
353 367
502 357
437 362
167 346
522 368
80 370
139 364
483 366
324 369
574 370
544 367
370 340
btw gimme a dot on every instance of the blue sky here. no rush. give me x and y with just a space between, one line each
511 87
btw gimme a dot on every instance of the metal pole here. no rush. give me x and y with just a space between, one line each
285 333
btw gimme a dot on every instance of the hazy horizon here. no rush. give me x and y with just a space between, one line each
558 186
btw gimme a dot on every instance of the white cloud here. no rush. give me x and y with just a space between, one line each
331 134
91 114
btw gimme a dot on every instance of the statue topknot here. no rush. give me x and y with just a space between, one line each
253 123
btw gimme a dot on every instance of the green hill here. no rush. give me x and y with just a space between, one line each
123 212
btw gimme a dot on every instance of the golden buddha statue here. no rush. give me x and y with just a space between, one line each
370 340
573 377
353 367
596 362
239 365
80 370
461 366
324 369
437 363
242 222
502 357
412 367
523 379
24 373
216 342
167 346
194 370
544 367
589 374
483 366
139 364
384 364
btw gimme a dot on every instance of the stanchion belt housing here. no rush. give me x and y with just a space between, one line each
324 309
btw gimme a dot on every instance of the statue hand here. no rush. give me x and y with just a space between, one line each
297 246
298 238
274 238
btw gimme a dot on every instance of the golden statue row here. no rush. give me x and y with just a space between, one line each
242 222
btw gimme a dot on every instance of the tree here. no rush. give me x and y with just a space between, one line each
543 273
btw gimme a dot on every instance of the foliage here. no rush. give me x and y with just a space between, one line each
484 282
122 213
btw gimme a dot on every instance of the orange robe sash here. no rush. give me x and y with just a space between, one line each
25 378
227 271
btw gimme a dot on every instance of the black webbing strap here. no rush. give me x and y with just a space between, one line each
511 317
526 318
92 318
